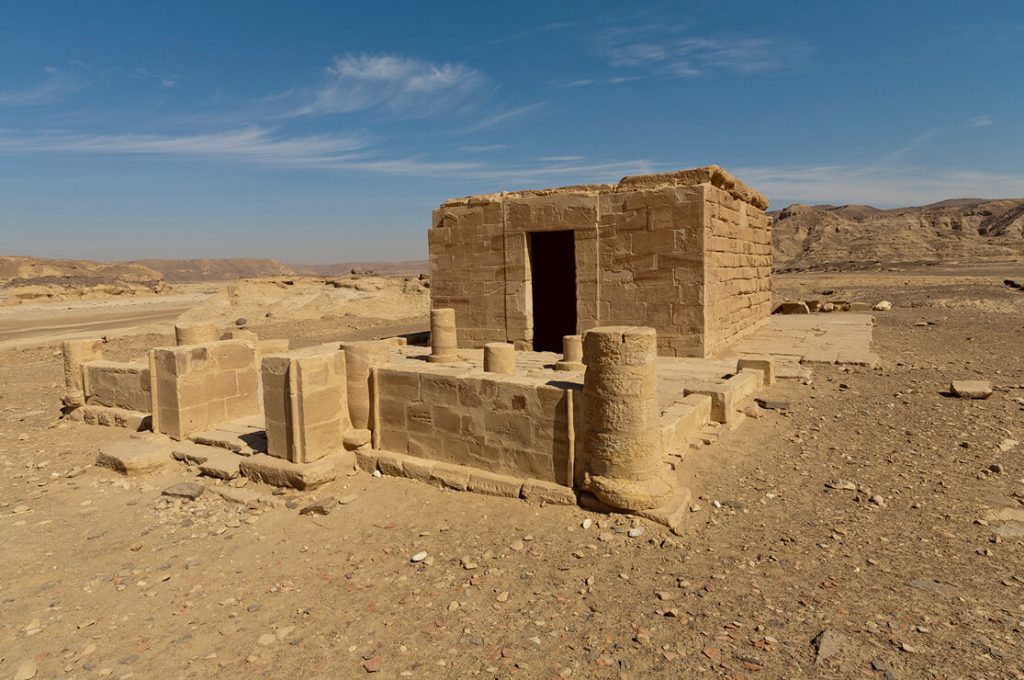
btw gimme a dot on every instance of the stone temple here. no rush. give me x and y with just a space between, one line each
686 253
585 343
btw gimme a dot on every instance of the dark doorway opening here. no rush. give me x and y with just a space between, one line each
553 272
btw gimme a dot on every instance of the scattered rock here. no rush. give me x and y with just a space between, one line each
827 644
841 485
883 306
241 322
419 557
320 507
772 404
635 532
372 665
792 308
189 490
971 389
26 670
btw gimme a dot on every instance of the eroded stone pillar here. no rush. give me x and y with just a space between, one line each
76 353
572 354
443 339
622 434
499 357
360 357
195 334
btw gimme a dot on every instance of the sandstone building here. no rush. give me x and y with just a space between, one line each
687 253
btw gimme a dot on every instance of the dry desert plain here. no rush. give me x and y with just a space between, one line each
872 529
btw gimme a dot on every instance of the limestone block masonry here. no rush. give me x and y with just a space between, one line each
687 253
196 387
305 401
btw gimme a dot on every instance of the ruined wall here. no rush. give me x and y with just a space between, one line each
196 387
513 427
737 268
117 385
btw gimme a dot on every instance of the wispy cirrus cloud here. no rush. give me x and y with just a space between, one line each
251 144
669 51
167 80
877 185
499 117
980 121
402 85
55 84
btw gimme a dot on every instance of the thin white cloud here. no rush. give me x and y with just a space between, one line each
167 80
250 144
502 116
980 121
879 186
55 85
402 85
559 159
482 148
664 50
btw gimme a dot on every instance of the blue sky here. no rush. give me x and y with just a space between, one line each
327 131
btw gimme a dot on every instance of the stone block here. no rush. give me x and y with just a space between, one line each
390 463
419 469
450 476
366 459
135 456
537 491
356 438
792 308
221 464
493 484
278 472
971 389
764 364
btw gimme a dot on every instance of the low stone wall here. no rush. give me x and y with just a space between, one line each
196 387
117 385
513 426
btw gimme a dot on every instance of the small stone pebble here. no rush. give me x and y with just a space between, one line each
419 557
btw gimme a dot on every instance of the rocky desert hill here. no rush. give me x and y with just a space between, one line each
856 236
29 279
220 269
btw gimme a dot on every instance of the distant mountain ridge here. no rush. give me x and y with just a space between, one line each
960 229
217 269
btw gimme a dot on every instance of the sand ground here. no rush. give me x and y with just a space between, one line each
912 574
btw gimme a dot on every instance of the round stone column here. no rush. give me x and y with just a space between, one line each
360 357
572 354
195 334
76 353
443 339
622 433
499 357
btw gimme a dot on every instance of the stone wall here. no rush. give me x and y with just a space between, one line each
515 427
117 385
686 253
737 269
196 387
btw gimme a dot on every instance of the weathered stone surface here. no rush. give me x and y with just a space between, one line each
493 484
971 389
189 490
221 465
883 306
546 492
278 472
451 476
135 456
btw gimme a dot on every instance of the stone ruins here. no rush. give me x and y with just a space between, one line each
582 340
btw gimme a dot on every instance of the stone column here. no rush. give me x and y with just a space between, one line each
499 357
572 354
76 353
443 340
361 356
195 334
622 433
